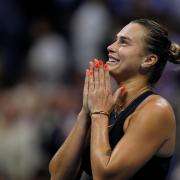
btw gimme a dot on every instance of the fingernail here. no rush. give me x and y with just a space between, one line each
90 73
90 63
95 61
97 65
122 87
106 66
87 72
100 62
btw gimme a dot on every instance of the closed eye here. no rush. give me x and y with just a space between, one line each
122 40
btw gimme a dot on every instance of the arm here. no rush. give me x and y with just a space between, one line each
149 129
143 138
67 161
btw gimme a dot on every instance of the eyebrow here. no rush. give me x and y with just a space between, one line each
123 37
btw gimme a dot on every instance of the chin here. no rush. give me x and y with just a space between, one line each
113 74
114 69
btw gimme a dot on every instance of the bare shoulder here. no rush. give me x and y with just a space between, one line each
154 113
158 108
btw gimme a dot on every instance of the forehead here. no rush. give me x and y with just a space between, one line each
134 31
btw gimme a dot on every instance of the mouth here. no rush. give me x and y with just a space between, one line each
112 60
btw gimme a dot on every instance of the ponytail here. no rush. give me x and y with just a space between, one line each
174 53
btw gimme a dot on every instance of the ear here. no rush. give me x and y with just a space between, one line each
149 61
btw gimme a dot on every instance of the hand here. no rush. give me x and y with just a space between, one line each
100 97
85 107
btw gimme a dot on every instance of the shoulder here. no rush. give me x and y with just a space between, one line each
155 115
157 106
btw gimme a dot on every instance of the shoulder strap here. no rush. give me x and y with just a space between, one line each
116 132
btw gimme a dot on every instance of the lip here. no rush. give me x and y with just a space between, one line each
112 57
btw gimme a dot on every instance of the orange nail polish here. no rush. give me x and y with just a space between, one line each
106 66
122 87
100 62
97 65
90 73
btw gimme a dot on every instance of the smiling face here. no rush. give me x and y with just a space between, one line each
127 53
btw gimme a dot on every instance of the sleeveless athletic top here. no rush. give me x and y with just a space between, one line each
155 169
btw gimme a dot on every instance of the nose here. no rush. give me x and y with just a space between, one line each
111 48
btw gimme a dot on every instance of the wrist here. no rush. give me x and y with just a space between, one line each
103 113
84 118
83 113
100 119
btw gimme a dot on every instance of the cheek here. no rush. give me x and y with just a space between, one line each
126 53
130 61
122 52
131 55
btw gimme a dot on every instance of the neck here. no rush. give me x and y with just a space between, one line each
134 88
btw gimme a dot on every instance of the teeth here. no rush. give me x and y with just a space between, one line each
112 60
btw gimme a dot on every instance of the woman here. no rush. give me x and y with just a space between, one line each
132 133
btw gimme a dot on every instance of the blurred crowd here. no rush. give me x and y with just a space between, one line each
45 47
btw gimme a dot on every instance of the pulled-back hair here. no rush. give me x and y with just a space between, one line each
157 42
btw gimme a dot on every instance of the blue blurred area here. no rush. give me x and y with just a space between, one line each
45 47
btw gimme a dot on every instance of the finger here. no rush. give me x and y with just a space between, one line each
107 78
119 92
96 75
86 83
95 61
101 74
91 78
91 66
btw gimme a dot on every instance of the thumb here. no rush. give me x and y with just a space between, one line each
118 93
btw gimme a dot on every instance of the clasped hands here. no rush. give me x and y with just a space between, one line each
97 95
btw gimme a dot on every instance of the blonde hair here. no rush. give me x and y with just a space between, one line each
174 53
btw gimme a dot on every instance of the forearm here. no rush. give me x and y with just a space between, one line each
100 147
65 163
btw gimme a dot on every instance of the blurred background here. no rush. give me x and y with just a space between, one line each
45 47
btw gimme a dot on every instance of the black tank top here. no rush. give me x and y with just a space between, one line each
155 169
